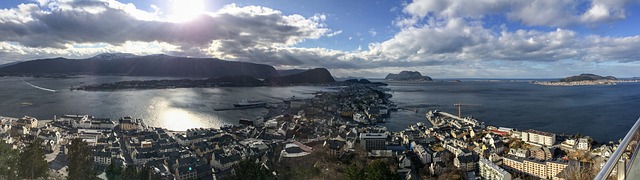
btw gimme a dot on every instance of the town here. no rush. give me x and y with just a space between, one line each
334 135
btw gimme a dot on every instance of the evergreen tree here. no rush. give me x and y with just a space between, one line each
145 173
379 170
80 161
114 172
354 172
8 161
248 169
32 163
131 172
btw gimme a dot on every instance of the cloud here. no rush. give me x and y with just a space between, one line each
334 33
554 13
372 32
442 37
73 22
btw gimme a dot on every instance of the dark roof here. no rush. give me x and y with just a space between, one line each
224 159
293 150
333 144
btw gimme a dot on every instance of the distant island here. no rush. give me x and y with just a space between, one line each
587 77
407 76
584 80
316 76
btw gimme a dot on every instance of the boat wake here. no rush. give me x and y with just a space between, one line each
38 87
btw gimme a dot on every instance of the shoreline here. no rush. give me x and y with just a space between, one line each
584 83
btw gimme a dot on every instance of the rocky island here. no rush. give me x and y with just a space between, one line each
582 80
407 76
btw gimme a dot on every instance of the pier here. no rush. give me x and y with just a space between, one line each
237 108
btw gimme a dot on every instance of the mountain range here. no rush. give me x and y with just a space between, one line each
150 65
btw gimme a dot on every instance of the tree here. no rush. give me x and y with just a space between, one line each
113 171
8 161
131 172
248 169
145 173
32 163
379 170
354 172
80 161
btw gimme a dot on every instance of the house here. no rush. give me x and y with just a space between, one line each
466 161
27 121
225 161
102 158
127 123
334 146
422 152
50 135
518 152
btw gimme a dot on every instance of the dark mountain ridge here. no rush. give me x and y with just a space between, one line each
313 76
286 72
152 65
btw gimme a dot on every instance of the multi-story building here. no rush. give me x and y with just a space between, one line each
541 153
423 153
539 137
490 171
102 158
554 168
466 161
542 169
128 123
583 144
373 141
513 163
535 167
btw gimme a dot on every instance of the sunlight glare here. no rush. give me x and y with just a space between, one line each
178 119
185 10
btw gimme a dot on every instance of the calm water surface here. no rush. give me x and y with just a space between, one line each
603 112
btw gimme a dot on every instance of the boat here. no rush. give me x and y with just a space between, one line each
250 103
293 98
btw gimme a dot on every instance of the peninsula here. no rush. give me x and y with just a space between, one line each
310 77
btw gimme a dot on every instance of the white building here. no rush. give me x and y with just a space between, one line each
490 171
422 152
583 144
539 137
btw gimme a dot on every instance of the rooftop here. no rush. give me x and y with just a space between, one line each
539 132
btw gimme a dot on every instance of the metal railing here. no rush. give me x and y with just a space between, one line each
628 147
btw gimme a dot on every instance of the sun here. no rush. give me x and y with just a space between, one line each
185 10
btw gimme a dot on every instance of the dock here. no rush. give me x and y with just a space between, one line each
237 108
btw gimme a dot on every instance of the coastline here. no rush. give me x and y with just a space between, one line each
584 83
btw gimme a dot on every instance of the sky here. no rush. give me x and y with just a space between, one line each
360 38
